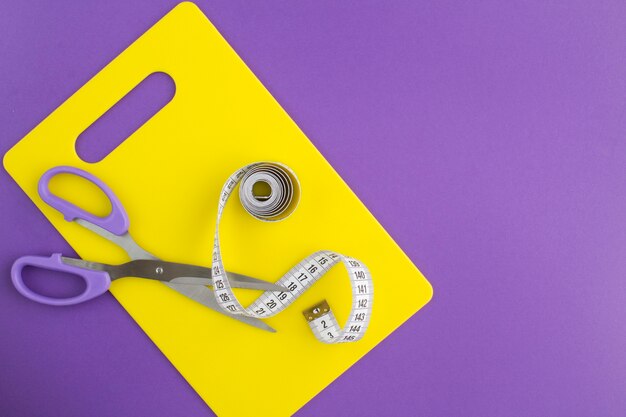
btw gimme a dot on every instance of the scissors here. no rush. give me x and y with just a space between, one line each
189 280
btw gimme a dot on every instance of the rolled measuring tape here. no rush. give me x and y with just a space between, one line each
270 191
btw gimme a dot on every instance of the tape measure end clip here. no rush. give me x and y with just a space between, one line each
316 311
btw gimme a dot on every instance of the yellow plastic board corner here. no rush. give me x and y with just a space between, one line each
168 174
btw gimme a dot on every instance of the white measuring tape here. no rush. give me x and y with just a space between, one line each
277 202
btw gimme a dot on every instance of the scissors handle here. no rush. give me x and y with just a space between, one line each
97 282
115 222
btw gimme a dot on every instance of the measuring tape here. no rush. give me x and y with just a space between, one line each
270 192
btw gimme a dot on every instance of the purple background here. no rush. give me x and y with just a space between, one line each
487 137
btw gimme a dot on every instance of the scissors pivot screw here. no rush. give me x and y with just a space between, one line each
159 270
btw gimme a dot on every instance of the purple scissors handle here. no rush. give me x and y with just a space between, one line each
97 282
115 222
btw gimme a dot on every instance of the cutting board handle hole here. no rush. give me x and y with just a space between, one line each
126 116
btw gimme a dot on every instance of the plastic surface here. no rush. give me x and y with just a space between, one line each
169 174
115 222
96 282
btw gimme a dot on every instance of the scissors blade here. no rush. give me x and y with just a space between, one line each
186 274
198 293
205 296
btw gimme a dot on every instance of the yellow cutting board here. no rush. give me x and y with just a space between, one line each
168 175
